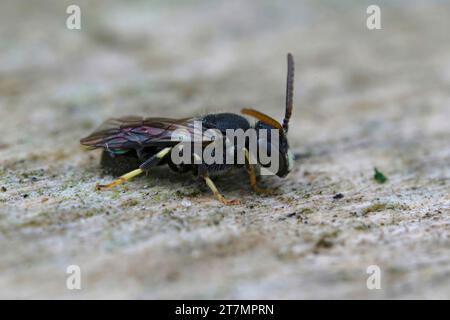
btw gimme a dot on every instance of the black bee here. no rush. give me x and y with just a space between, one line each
147 142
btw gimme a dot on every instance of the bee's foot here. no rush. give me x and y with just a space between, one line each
100 187
232 202
121 180
107 186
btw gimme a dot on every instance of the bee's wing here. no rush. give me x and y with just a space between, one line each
133 132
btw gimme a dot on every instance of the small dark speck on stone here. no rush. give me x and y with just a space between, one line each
338 196
4 189
379 176
291 214
25 195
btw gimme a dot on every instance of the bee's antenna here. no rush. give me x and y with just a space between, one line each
289 91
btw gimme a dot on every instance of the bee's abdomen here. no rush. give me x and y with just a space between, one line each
119 164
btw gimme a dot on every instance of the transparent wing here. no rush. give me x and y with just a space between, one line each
131 132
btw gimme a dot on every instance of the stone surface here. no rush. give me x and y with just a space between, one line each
363 99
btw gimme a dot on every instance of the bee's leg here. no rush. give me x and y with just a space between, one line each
120 180
151 162
204 174
218 195
252 174
154 160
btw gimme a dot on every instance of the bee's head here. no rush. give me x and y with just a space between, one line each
267 145
266 123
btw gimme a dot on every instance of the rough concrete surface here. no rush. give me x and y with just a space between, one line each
363 99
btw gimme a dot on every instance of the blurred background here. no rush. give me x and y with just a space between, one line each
363 99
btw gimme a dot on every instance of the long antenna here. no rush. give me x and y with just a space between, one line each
289 91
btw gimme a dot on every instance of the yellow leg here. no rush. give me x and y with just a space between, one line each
216 192
145 166
252 175
121 179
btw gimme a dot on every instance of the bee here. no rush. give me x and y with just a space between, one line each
147 142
